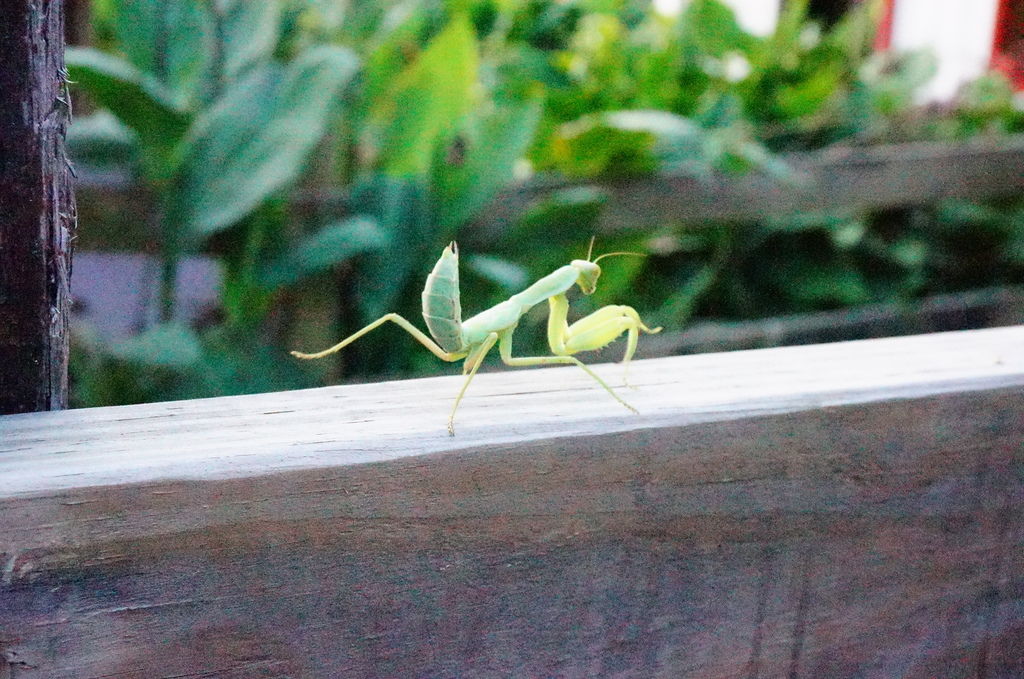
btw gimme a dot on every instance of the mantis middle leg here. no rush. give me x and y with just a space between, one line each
505 348
418 334
473 361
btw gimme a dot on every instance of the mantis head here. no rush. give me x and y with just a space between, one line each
589 271
588 275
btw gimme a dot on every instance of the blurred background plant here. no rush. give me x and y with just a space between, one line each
320 154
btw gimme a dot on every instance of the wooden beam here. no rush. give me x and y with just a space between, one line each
37 207
842 510
838 179
984 308
853 179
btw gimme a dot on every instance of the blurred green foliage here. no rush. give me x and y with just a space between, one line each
235 119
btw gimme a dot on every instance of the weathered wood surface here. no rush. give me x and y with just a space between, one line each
984 308
36 208
848 510
837 179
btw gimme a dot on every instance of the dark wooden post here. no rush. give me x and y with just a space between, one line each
37 208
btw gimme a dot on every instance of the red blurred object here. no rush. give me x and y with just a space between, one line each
1008 43
883 39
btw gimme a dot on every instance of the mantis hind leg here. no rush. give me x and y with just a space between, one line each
505 347
473 361
417 334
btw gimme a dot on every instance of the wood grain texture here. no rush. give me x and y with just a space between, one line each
37 208
847 510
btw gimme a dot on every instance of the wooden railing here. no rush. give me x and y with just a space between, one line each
835 179
841 510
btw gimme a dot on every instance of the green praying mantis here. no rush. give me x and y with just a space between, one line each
454 339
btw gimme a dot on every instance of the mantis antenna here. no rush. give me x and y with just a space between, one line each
614 254
590 251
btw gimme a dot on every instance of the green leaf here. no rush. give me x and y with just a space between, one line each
630 143
250 34
561 217
237 362
805 221
849 233
256 139
908 252
100 140
390 48
320 251
710 28
489 162
508 275
1014 251
855 33
678 142
194 47
593 150
957 212
893 80
785 42
139 102
681 304
427 100
807 96
822 283
401 208
171 41
170 345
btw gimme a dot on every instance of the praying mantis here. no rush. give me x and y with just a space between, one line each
453 339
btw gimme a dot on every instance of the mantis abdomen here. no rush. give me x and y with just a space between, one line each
442 310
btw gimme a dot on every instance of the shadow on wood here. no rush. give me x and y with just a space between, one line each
847 510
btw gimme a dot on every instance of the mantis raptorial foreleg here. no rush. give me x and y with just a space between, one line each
594 331
420 336
470 367
505 348
595 337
